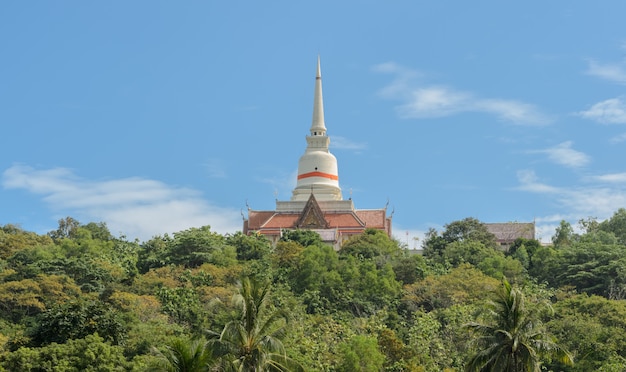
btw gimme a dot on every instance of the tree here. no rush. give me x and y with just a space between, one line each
13 239
181 304
595 328
304 237
592 267
66 230
252 342
253 247
468 229
462 285
78 319
196 246
183 355
89 354
563 235
371 244
361 354
515 339
523 250
616 225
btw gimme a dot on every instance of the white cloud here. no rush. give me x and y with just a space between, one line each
619 138
135 207
339 142
402 81
530 182
439 101
215 168
611 178
577 202
565 155
615 72
611 111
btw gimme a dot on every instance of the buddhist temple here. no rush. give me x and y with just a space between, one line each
317 203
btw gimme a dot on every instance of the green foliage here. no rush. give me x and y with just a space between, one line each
409 269
499 266
182 305
361 353
430 352
314 340
462 285
89 354
466 230
14 239
28 297
524 250
599 341
590 267
564 235
616 225
153 253
514 338
184 355
350 284
80 289
196 246
78 319
252 341
467 251
67 229
255 247
305 238
90 275
20 298
371 244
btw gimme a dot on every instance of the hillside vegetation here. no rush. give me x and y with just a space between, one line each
81 299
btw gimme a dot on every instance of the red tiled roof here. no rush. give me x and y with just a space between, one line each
257 218
343 220
281 220
374 218
359 219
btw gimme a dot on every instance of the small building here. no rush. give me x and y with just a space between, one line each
316 202
507 232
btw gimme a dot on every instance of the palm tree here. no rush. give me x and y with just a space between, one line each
515 340
185 356
252 342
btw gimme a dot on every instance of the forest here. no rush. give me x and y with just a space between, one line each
79 298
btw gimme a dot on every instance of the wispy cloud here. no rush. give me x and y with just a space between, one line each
529 182
580 201
619 138
215 168
614 72
610 178
610 111
432 101
136 207
346 144
564 154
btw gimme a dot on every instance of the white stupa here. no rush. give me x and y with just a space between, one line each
316 202
317 168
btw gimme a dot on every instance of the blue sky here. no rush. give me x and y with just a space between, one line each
156 116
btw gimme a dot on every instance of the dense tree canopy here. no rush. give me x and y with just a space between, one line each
80 298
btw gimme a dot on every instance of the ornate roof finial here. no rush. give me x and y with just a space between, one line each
318 128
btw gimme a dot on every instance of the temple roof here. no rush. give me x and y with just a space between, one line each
371 218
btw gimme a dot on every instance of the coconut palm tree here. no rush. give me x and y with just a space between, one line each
252 342
185 356
515 340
